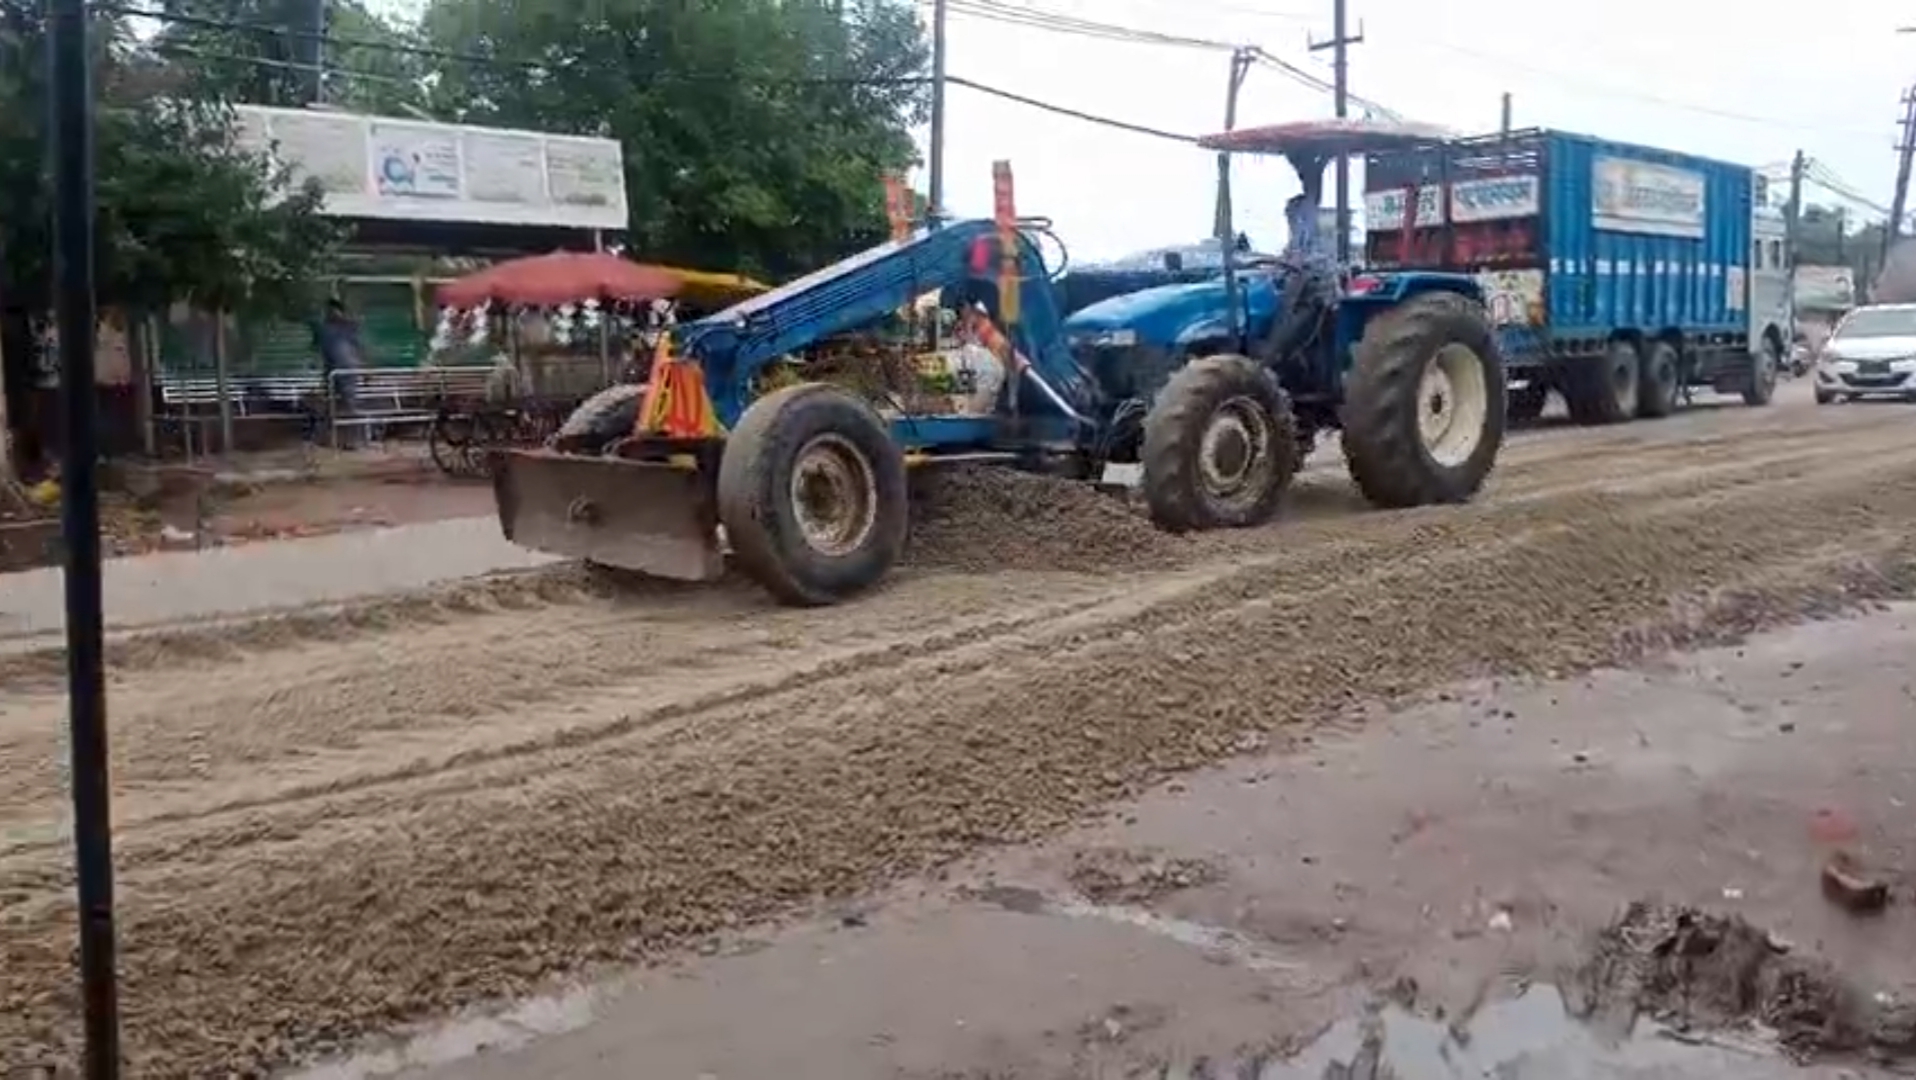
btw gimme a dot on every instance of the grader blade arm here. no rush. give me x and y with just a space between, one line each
650 517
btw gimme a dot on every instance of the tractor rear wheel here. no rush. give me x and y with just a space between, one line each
812 495
1424 410
1220 446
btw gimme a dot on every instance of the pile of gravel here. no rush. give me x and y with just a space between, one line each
982 519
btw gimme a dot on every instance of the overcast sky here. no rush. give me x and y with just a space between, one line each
1748 83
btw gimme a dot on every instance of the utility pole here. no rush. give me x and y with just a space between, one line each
1240 67
318 56
1339 45
1842 228
70 84
1504 126
1905 148
936 166
1792 222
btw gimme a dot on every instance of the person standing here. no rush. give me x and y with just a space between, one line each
337 338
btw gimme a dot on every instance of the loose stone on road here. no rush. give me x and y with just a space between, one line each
328 829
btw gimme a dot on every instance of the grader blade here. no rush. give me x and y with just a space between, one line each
650 517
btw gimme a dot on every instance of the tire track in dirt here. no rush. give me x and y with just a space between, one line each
176 758
360 684
1580 454
415 897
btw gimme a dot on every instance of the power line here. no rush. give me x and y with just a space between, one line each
1614 91
1058 22
536 67
1075 114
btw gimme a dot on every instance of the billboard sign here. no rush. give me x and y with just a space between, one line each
413 170
1640 197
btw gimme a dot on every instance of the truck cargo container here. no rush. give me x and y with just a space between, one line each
1620 276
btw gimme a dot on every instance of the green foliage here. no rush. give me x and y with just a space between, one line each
262 52
756 132
184 212
1826 237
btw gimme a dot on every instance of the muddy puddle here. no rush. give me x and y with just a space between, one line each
1528 1037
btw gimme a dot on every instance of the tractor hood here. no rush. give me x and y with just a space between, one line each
1166 315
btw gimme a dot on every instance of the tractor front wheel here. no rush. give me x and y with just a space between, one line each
812 495
1425 408
600 420
1220 446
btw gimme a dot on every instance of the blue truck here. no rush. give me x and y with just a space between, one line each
1619 276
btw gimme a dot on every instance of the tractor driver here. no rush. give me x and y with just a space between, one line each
1307 276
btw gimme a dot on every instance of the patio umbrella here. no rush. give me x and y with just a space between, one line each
561 277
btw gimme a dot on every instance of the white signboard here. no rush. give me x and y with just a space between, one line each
1497 198
414 161
1384 210
381 167
1656 200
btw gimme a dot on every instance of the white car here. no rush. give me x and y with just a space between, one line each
1871 353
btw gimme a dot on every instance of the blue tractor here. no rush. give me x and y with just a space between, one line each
1214 389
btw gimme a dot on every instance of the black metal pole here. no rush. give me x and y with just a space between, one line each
1341 75
936 166
1223 226
72 138
1339 45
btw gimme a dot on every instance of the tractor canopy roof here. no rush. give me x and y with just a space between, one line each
1327 137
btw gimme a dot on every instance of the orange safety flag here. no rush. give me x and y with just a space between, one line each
1005 208
676 404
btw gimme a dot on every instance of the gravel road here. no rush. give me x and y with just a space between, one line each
339 825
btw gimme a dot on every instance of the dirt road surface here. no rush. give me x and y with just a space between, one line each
186 586
1449 852
345 823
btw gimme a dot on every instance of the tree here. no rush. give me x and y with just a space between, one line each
756 132
1829 236
184 212
263 52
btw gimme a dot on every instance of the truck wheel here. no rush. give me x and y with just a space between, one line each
608 415
1424 410
812 495
1526 405
1603 390
1220 446
1657 384
1760 387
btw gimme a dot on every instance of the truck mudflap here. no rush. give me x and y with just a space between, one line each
652 517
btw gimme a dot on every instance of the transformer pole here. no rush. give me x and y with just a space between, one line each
936 166
1339 45
1905 148
70 82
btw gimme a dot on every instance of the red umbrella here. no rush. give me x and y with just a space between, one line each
563 277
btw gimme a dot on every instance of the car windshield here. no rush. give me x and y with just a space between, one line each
1879 323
